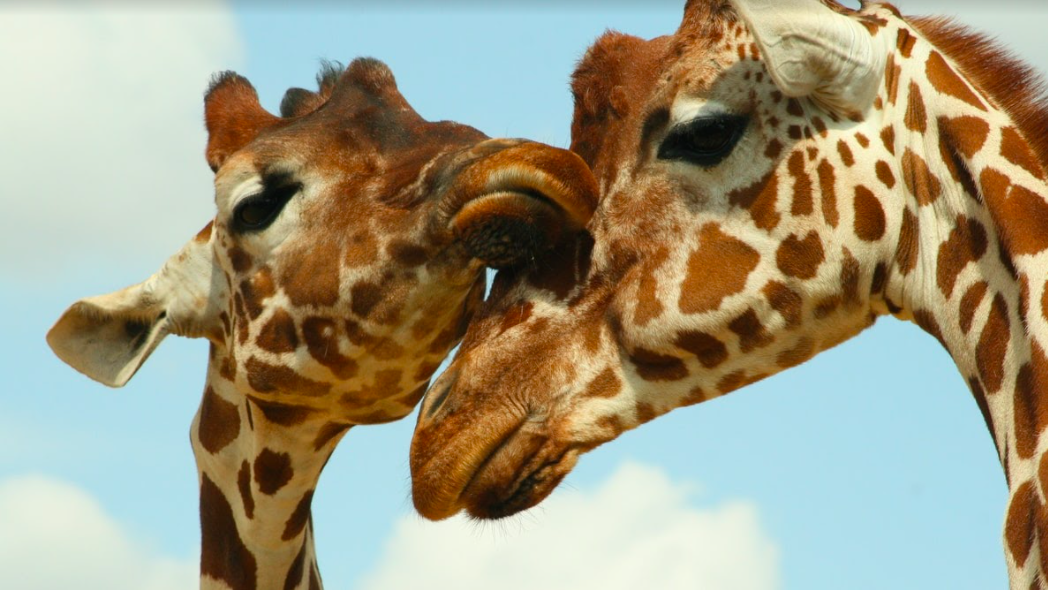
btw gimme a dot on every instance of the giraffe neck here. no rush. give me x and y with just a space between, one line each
258 464
969 267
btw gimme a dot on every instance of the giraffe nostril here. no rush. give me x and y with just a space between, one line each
437 394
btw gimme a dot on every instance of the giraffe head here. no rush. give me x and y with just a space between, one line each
346 253
763 174
343 263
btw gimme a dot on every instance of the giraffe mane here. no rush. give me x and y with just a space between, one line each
1014 85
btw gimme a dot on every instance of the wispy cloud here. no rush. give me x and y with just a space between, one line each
55 535
637 530
102 126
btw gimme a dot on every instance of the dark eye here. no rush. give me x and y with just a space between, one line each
257 212
704 141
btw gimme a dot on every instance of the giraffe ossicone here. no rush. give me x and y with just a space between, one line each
342 265
774 176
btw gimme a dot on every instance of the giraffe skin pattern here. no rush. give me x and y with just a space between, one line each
773 177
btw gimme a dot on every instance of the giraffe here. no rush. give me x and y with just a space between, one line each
774 177
345 257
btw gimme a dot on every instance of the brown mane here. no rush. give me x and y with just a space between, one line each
1013 85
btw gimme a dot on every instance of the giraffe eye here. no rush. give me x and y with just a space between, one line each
257 212
705 141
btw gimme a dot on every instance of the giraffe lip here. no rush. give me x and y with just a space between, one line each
518 474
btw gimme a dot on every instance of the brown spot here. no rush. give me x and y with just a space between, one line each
1044 301
314 279
845 152
272 471
1022 219
223 555
244 485
793 107
1018 525
1016 150
266 378
322 340
826 306
219 422
652 366
892 73
278 335
906 254
884 174
648 305
966 244
1031 413
820 126
802 197
296 571
732 381
919 179
850 275
328 432
707 349
751 331
969 303
407 254
299 517
645 412
869 215
916 117
994 187
282 414
717 269
880 278
863 140
802 351
905 41
364 296
993 343
965 134
239 259
606 385
984 408
800 258
828 188
785 301
773 149
888 139
794 131
386 384
945 80
759 198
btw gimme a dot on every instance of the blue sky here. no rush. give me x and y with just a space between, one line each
868 467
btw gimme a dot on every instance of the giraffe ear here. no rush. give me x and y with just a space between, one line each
108 337
516 202
233 117
812 51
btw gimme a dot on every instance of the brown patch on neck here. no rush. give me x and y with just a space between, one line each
1013 85
219 422
223 556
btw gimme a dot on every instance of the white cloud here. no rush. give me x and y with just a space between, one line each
54 535
102 127
637 530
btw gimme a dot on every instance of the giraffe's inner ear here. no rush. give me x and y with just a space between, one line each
108 337
517 202
813 51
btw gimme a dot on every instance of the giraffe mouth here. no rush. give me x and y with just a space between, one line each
506 472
